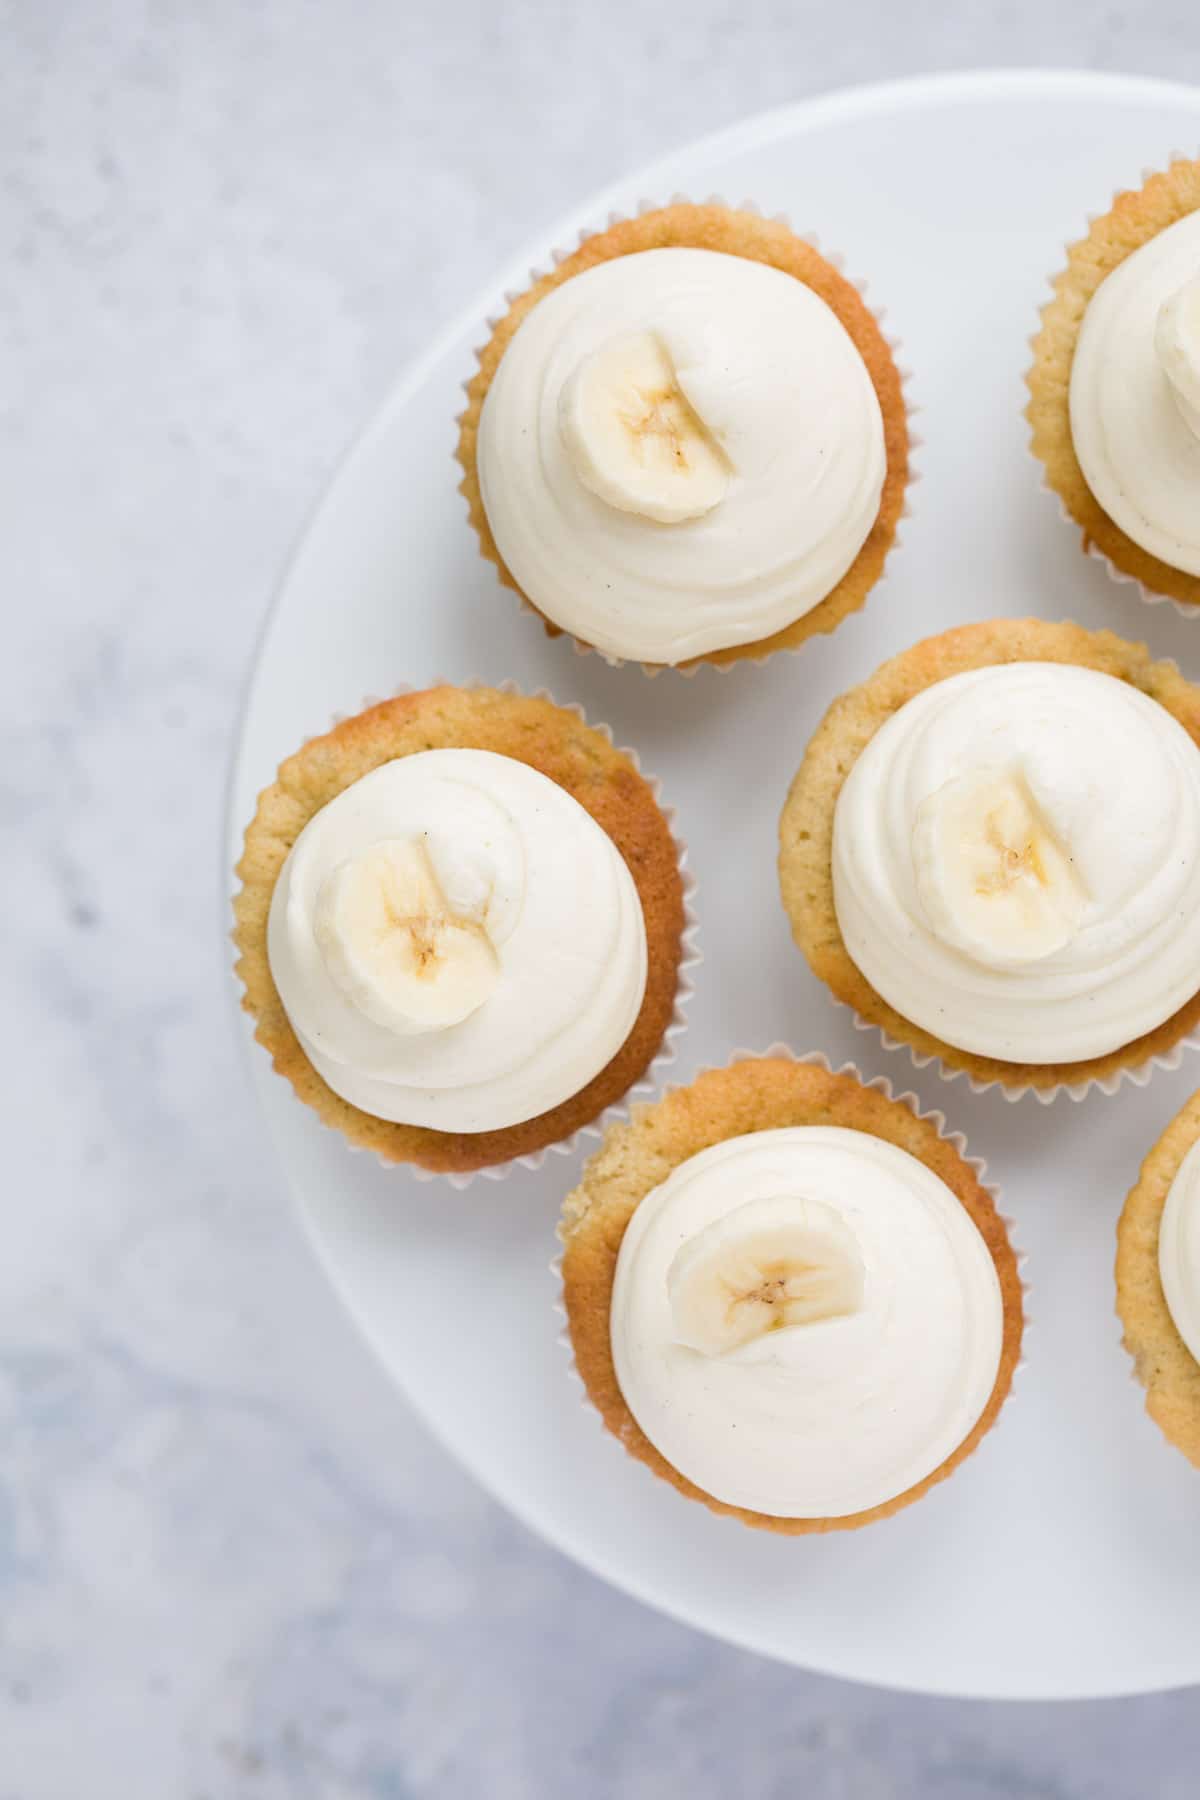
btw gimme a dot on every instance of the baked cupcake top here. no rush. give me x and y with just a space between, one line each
456 942
1158 1279
1016 862
1179 1250
1135 395
681 450
805 1321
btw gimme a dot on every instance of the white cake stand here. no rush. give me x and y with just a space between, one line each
1064 1558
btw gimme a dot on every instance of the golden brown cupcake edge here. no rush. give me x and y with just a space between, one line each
687 226
547 738
760 1094
1162 1361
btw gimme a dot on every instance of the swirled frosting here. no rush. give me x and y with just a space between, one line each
1105 854
789 479
546 955
843 1413
1179 1250
1135 395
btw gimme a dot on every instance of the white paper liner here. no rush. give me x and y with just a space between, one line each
1137 1074
913 474
689 960
1092 550
880 1085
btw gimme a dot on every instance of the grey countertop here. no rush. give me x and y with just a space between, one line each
231 1566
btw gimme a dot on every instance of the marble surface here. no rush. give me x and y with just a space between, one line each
231 1566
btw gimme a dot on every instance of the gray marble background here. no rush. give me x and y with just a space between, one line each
231 1566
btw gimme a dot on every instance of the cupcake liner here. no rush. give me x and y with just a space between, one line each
880 1085
1093 552
1119 577
689 960
836 261
1138 1074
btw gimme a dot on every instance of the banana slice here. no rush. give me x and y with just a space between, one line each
766 1265
393 944
634 439
992 878
1177 346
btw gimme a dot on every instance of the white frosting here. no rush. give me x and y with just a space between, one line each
1179 1250
825 1419
781 388
562 914
1118 781
1135 393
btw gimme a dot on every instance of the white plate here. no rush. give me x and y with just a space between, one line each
1064 1559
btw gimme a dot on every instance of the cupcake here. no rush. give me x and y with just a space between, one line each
687 442
991 851
790 1295
1115 385
1158 1280
460 926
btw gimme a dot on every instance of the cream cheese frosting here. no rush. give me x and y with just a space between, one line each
680 451
1016 862
1135 395
1179 1250
457 943
874 1387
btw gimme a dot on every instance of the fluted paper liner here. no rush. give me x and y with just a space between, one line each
878 1084
689 960
1138 1074
912 472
